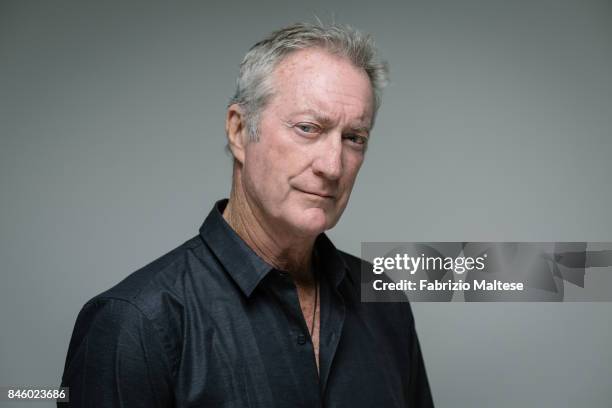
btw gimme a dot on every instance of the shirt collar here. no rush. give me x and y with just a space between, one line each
331 262
245 267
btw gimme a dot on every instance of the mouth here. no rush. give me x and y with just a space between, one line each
318 194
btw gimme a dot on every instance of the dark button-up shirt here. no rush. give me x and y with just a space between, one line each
211 324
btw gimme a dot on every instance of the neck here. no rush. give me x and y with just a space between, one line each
273 244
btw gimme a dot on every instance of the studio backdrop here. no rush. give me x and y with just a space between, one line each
496 126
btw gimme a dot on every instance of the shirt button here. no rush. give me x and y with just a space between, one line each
301 339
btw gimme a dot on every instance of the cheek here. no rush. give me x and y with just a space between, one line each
266 168
255 166
352 164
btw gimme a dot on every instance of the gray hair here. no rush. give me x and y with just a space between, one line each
254 84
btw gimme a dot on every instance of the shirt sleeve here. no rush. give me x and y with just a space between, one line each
116 359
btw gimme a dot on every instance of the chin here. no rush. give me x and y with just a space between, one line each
312 221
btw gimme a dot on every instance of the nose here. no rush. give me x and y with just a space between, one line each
328 160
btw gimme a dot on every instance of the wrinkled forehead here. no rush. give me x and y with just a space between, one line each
314 79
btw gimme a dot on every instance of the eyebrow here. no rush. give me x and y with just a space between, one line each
363 129
318 116
326 120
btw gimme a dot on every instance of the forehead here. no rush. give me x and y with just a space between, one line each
316 79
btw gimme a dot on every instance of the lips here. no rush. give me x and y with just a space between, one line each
322 194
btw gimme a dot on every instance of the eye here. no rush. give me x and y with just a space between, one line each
358 140
307 128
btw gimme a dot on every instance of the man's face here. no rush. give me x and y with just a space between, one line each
313 135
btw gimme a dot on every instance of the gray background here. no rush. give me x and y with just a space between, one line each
496 127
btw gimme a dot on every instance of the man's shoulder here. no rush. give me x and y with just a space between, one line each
148 305
156 284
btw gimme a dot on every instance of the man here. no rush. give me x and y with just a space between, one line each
260 309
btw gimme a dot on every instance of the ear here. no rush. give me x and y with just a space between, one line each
236 131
